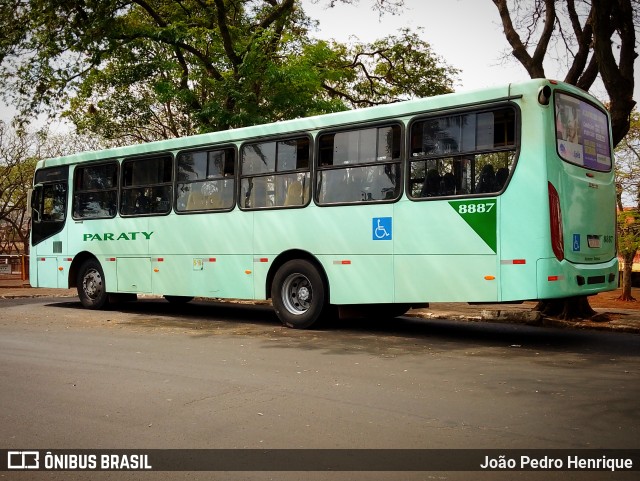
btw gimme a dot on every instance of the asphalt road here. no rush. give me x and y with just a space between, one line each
209 375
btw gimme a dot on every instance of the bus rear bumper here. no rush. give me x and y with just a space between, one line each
564 279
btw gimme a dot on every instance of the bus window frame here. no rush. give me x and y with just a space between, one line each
83 165
122 188
240 176
477 109
206 148
400 161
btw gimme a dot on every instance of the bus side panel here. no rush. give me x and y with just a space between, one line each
134 274
446 278
121 239
176 275
117 237
207 255
366 279
522 244
354 244
435 227
47 268
357 243
440 256
524 215
340 230
45 259
203 275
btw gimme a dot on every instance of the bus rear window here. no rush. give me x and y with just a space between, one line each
582 133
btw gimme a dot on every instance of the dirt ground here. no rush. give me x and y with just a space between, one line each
609 300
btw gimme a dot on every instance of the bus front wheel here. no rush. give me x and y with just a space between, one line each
91 287
298 294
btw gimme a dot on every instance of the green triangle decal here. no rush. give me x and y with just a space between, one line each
481 217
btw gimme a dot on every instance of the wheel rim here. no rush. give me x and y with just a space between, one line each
297 294
92 284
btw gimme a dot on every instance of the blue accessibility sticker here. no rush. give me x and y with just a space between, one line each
576 242
382 228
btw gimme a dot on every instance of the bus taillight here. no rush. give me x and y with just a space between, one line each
555 220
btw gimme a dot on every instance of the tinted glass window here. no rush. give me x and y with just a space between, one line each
146 186
206 180
275 174
95 191
359 165
470 153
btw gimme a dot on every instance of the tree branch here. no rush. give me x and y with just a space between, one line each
534 67
227 42
608 16
584 37
547 31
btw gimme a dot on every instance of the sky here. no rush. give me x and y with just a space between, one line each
467 34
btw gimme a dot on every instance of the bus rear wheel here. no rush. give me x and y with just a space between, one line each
298 294
91 286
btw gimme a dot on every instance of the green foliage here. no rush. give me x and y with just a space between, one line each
144 70
628 165
628 186
399 67
628 231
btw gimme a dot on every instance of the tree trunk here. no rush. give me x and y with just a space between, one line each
567 309
627 258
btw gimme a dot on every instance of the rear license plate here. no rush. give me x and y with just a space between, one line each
593 241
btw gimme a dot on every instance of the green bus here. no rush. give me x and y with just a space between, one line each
499 195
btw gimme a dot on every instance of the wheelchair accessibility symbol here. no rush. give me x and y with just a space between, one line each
382 228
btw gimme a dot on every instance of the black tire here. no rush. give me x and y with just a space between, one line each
91 286
298 293
178 299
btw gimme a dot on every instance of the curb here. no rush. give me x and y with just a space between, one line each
518 317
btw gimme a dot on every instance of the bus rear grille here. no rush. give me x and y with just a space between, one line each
591 280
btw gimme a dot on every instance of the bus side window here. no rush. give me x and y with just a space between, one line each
146 186
470 153
275 174
95 191
206 180
359 165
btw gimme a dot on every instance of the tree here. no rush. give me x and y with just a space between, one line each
19 152
140 70
628 184
16 172
628 244
597 39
